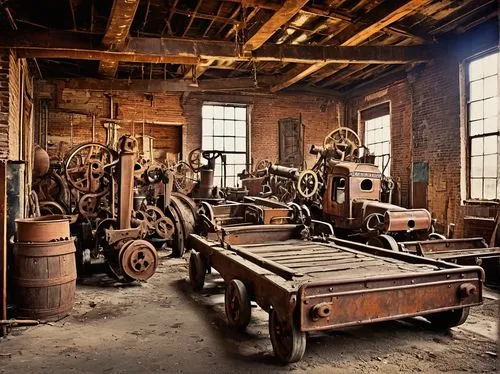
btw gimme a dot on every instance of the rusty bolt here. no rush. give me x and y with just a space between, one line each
466 289
321 310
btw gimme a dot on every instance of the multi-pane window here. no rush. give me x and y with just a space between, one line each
483 127
378 141
224 128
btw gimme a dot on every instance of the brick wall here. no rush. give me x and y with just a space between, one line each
4 103
14 102
319 115
426 127
10 67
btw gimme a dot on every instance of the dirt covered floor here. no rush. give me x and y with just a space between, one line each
162 325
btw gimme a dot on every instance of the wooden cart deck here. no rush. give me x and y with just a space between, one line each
330 284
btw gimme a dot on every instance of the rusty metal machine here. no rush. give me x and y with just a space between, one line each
346 189
309 282
123 206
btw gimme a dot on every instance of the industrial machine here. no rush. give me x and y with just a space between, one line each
123 207
346 189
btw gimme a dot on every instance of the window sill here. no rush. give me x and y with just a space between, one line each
481 202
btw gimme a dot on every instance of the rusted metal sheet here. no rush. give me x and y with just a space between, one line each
466 251
43 229
334 304
407 220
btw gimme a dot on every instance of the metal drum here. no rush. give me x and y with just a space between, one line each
45 279
43 229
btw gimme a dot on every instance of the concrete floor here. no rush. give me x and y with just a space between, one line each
162 325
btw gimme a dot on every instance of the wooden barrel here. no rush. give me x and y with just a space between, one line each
45 279
43 229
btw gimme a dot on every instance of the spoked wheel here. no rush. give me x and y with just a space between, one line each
289 344
448 319
194 159
344 141
85 166
197 270
384 241
308 184
237 304
373 222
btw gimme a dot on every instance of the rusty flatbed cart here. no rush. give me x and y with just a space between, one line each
308 285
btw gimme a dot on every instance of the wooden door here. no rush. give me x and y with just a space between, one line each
291 152
420 184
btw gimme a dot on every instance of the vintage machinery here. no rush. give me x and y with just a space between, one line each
128 255
252 211
325 283
351 201
123 206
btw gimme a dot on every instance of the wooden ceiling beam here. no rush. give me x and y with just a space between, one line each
172 50
284 14
115 37
157 85
372 22
380 17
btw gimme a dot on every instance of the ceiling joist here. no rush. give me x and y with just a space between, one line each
365 27
120 20
284 14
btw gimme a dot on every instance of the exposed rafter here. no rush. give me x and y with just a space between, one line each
381 16
120 20
289 9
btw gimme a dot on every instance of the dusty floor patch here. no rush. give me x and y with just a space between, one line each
163 326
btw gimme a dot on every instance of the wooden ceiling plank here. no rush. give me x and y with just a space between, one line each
117 31
284 14
191 19
379 17
217 14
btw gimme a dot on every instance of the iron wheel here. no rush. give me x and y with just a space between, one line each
237 304
289 344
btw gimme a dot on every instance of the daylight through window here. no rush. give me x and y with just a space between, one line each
224 128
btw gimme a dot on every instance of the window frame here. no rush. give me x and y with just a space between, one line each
467 138
248 108
362 126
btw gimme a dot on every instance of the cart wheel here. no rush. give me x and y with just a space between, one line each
197 270
384 241
237 303
448 319
289 344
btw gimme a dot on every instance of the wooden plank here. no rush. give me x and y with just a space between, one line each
278 19
120 19
305 254
272 266
296 75
322 261
343 267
